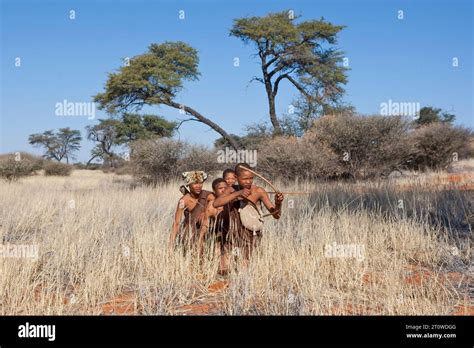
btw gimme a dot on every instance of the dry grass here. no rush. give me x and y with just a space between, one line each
99 239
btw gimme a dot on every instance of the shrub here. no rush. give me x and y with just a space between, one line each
36 161
90 166
161 159
93 166
79 165
57 169
126 169
289 158
344 146
366 146
16 165
198 157
107 169
436 146
156 160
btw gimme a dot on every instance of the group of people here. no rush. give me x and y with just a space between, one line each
231 213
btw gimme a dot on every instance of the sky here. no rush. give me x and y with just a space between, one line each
47 57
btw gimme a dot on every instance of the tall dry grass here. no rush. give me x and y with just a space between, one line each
100 237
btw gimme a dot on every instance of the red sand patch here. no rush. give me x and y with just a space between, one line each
66 296
463 310
218 286
461 181
418 277
198 309
371 278
353 309
121 305
467 178
456 279
126 303
206 307
461 178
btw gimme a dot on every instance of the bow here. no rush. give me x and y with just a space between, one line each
260 176
264 179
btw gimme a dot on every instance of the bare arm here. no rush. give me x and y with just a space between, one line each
177 220
227 197
275 210
210 212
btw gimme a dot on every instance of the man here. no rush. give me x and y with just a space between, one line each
210 223
192 205
235 234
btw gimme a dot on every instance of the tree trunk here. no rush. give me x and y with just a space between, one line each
271 101
273 117
206 121
89 161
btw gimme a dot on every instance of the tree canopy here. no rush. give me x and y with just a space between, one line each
155 78
134 126
429 114
58 145
300 53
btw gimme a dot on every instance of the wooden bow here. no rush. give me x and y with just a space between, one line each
267 181
260 176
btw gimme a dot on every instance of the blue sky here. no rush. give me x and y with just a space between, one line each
404 60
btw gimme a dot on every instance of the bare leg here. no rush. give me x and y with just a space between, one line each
247 250
224 260
200 243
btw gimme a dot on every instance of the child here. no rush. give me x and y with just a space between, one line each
229 177
233 198
209 222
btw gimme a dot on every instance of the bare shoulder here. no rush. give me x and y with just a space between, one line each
229 189
258 189
206 193
184 199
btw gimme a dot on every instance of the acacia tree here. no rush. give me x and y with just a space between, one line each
70 140
50 142
155 78
58 145
105 135
134 126
297 53
111 132
429 114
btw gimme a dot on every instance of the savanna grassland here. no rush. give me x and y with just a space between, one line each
407 249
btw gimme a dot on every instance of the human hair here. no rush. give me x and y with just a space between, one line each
217 182
240 168
228 171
